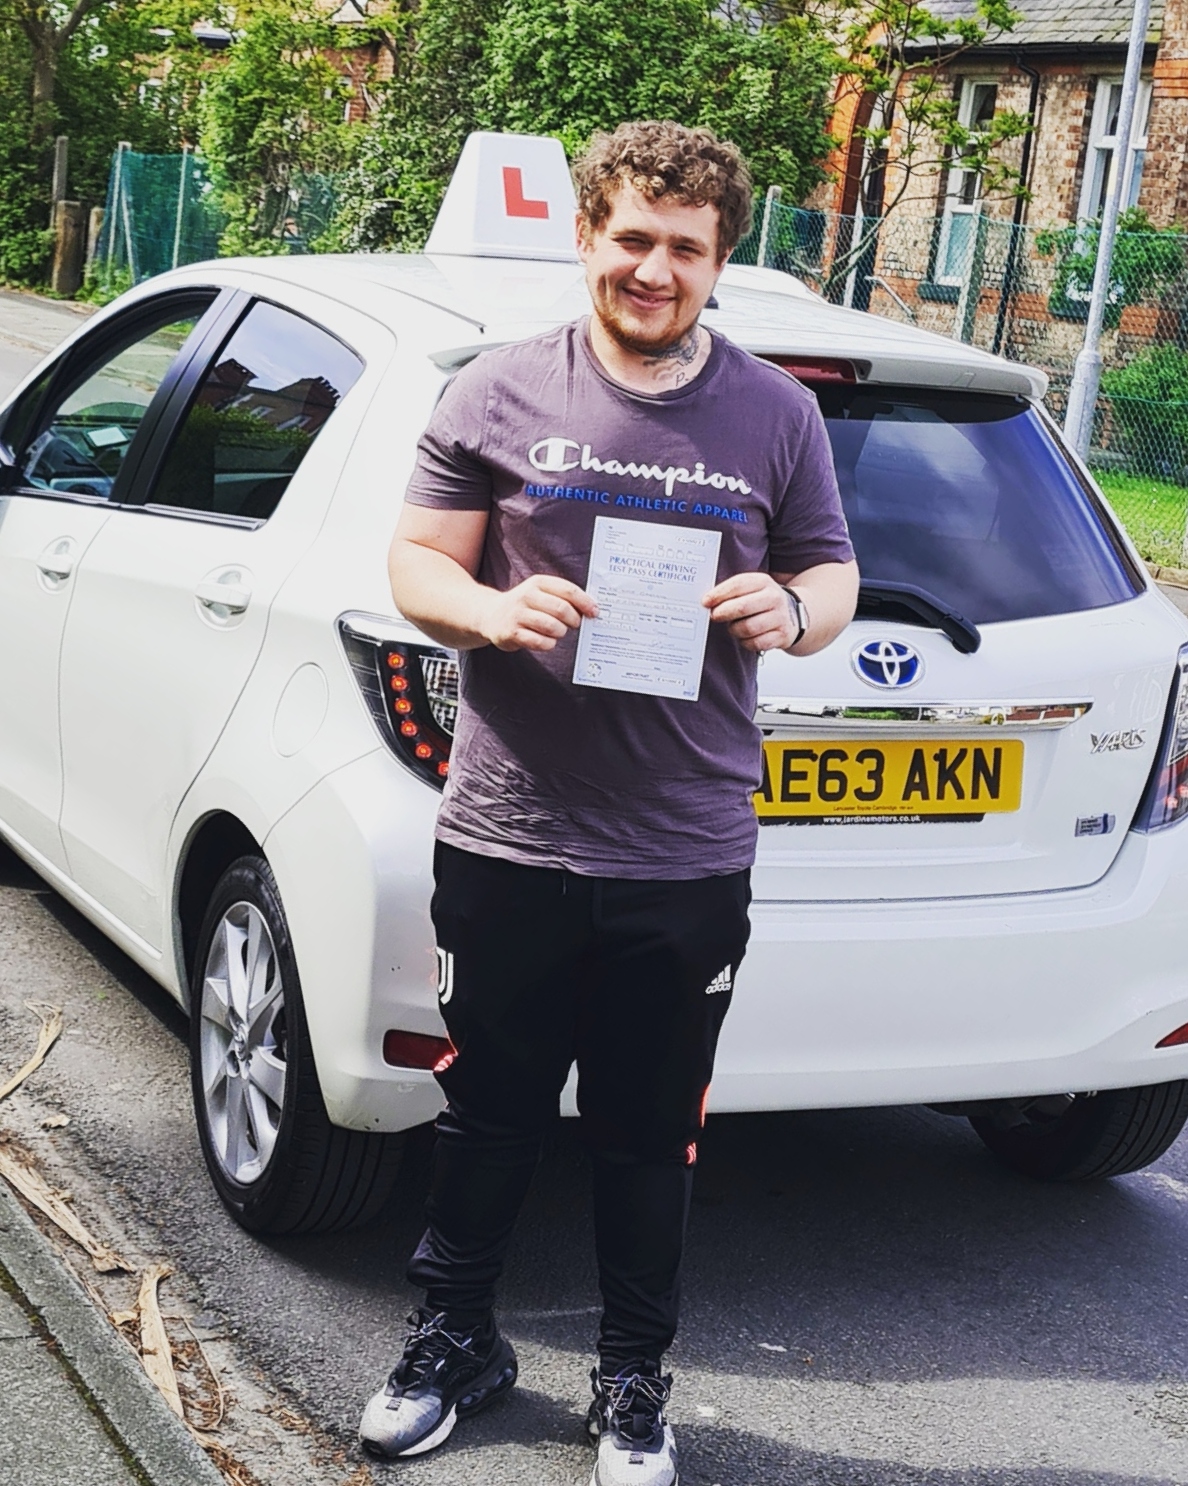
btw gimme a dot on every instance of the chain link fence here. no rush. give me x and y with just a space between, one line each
1018 291
160 212
1023 292
163 210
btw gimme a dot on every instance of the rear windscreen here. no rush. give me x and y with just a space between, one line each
969 497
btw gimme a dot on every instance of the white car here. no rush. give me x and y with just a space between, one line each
221 743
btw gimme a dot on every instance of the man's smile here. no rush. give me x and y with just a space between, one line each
645 299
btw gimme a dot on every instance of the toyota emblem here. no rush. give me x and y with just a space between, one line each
888 663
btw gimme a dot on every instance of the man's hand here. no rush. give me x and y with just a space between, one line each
535 614
756 609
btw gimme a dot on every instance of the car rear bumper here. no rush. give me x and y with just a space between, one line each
934 1001
840 1005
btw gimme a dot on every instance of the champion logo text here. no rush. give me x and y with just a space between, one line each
556 456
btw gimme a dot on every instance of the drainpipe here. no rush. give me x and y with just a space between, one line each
1008 276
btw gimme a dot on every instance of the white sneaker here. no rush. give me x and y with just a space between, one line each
635 1442
443 1376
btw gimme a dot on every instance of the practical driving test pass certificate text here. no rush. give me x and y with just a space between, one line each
648 581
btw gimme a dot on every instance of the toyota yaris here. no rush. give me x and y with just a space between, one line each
220 741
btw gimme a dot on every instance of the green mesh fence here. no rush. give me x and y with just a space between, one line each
1023 292
970 274
162 211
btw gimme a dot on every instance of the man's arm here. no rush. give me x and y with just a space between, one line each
755 606
432 565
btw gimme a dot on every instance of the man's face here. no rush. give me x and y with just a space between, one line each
650 268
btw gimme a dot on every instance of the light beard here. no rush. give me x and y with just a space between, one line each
657 347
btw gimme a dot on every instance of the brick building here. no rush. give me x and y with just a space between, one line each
361 55
1061 67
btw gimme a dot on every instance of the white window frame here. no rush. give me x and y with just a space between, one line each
1102 155
955 187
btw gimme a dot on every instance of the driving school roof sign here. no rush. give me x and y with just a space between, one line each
510 197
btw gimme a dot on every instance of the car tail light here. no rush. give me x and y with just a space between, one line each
1166 798
816 368
415 1049
1175 1039
411 690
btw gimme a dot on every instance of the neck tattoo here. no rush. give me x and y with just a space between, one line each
683 352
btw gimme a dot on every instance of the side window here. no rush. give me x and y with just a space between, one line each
82 437
18 421
266 398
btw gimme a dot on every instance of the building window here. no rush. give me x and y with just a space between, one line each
963 189
1101 161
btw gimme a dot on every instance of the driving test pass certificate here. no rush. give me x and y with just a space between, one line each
648 581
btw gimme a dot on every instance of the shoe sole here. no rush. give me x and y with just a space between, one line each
594 1481
486 1389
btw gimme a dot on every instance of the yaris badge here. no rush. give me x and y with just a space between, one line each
888 663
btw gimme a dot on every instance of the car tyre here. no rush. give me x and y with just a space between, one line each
275 1159
1084 1137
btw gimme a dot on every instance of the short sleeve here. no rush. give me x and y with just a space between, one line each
808 525
450 474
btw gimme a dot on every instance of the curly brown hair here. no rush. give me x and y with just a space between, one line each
661 158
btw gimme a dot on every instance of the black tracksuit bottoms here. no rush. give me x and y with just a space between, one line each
537 968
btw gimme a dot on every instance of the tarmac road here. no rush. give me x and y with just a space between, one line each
870 1300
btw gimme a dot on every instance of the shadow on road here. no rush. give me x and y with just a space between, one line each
850 1250
878 1244
14 873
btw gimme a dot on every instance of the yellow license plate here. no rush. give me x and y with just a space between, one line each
896 779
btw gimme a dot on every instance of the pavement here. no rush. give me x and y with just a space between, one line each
75 1405
869 1300
49 1430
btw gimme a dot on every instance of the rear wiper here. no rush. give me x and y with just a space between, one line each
905 600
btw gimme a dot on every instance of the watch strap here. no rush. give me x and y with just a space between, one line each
799 615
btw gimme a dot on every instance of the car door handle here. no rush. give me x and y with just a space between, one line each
58 559
230 596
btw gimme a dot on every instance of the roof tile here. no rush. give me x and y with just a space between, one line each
1074 22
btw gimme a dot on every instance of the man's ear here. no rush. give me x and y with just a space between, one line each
581 229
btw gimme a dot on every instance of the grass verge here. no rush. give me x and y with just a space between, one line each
1152 511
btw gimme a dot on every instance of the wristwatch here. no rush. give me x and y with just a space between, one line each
800 616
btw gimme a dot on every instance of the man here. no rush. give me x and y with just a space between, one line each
594 844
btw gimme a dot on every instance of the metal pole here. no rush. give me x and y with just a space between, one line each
116 188
181 204
971 285
773 195
1082 394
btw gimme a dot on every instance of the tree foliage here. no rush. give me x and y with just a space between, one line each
1149 404
900 55
569 67
91 70
271 111
24 199
268 111
1146 261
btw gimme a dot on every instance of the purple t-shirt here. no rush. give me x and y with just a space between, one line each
606 783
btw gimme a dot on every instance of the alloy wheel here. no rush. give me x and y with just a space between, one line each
242 1043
